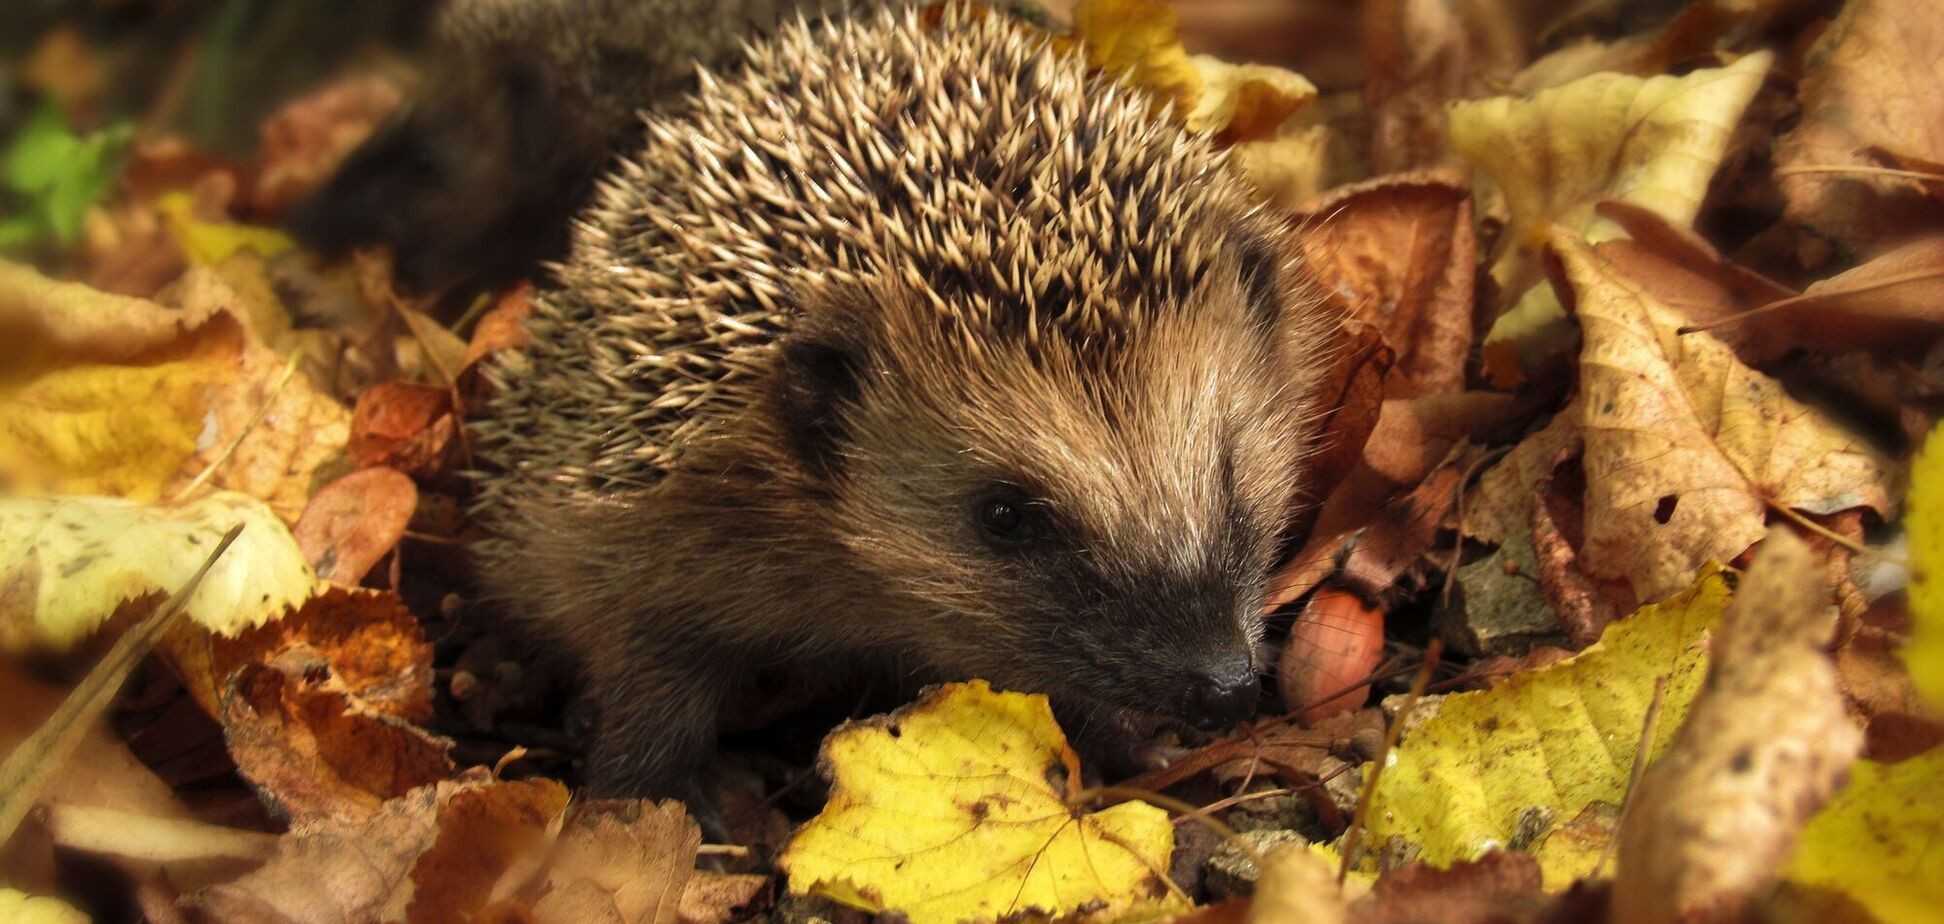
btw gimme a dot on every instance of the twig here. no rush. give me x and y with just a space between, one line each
1352 838
26 771
1639 768
262 411
1884 283
1130 793
1836 537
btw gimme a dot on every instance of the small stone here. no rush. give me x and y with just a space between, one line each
1231 874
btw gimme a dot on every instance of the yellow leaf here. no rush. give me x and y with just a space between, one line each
1552 740
67 563
955 809
1556 154
208 243
18 907
1876 842
1924 522
122 429
1231 102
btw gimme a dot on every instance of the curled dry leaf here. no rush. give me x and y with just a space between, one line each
1336 641
626 862
1482 891
1653 141
957 808
404 425
355 521
366 643
1892 304
1398 253
67 563
1764 745
1352 392
44 322
1685 446
446 843
1868 83
314 752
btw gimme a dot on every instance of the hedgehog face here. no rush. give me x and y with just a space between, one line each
1091 518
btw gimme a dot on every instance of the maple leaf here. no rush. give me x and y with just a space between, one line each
1557 154
1764 745
1685 447
957 808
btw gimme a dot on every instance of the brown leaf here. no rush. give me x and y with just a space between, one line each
1869 83
1764 745
1420 55
1685 446
631 863
304 142
1410 439
1898 723
1353 390
715 898
354 522
374 866
1398 253
1498 886
404 425
1683 271
317 753
1894 303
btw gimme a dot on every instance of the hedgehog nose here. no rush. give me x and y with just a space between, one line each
1224 695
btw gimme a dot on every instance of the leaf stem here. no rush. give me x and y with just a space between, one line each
1352 839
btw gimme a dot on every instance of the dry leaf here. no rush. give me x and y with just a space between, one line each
450 841
1764 745
1558 153
955 808
68 563
1868 83
1684 446
1892 304
1487 890
1398 253
404 425
304 142
622 862
1297 885
354 522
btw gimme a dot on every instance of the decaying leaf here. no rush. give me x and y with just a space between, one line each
1685 447
354 522
627 862
1764 745
1867 84
67 563
1925 525
1651 141
1553 740
1875 843
404 425
957 808
1398 253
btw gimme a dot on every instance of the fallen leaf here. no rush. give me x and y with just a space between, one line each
1875 843
1925 525
1229 102
1558 153
630 862
404 425
374 867
67 563
45 323
715 898
956 808
361 643
1487 890
1297 885
124 428
208 243
21 908
313 752
303 143
354 522
1764 745
1866 84
1352 392
1555 739
1398 253
1892 304
1685 446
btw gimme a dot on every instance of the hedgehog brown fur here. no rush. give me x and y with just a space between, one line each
906 342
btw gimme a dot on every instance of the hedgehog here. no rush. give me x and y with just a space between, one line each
909 342
474 183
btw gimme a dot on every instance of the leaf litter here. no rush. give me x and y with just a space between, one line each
1640 340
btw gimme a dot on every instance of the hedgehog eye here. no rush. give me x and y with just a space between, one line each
1006 516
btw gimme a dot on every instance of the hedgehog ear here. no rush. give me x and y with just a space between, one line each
818 374
1261 270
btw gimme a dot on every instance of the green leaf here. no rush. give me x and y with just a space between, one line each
56 175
